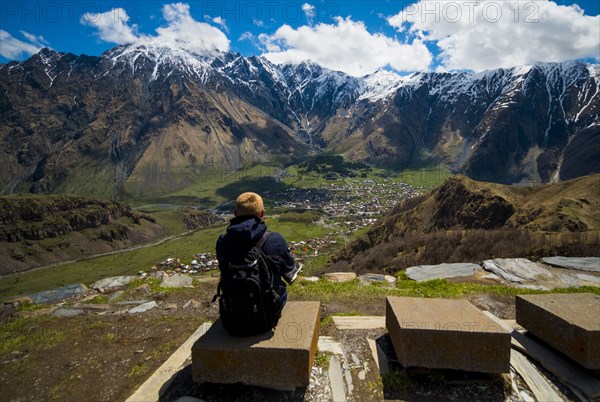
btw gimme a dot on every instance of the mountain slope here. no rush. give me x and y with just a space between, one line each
41 230
67 119
525 124
149 115
465 220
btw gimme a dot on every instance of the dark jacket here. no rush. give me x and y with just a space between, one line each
242 234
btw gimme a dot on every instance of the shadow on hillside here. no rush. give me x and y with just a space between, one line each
182 385
258 185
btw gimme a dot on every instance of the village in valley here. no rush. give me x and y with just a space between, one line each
344 206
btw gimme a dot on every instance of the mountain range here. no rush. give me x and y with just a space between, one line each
143 116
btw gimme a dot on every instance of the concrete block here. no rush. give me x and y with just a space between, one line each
570 323
280 359
446 334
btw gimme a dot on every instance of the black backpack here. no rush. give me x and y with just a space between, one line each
248 301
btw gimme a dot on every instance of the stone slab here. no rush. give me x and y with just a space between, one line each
446 334
359 322
67 312
421 273
516 269
589 278
131 302
92 306
379 356
336 380
177 281
329 344
280 359
577 378
340 276
591 264
570 323
114 282
142 308
377 278
58 294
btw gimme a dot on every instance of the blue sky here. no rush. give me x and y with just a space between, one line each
352 36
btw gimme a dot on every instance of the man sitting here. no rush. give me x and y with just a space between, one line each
246 231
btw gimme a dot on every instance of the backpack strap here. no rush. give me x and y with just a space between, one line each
263 239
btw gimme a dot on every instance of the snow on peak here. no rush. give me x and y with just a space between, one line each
594 70
161 55
383 84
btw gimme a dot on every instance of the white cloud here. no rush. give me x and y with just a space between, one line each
488 34
181 30
112 26
185 32
221 22
14 49
345 46
309 12
36 40
249 36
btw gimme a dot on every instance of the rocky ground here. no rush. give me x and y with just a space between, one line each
103 354
103 345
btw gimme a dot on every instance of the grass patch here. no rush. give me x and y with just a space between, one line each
164 349
424 179
29 306
165 319
445 289
171 219
153 282
293 231
322 359
138 369
123 263
327 320
260 185
155 287
326 291
100 325
22 333
300 216
100 299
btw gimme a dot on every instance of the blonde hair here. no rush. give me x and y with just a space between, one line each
249 204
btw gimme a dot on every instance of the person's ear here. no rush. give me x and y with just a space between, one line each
235 213
262 213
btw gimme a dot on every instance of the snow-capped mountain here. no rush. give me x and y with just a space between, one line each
138 116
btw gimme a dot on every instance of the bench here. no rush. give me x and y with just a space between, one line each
568 322
446 334
281 359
